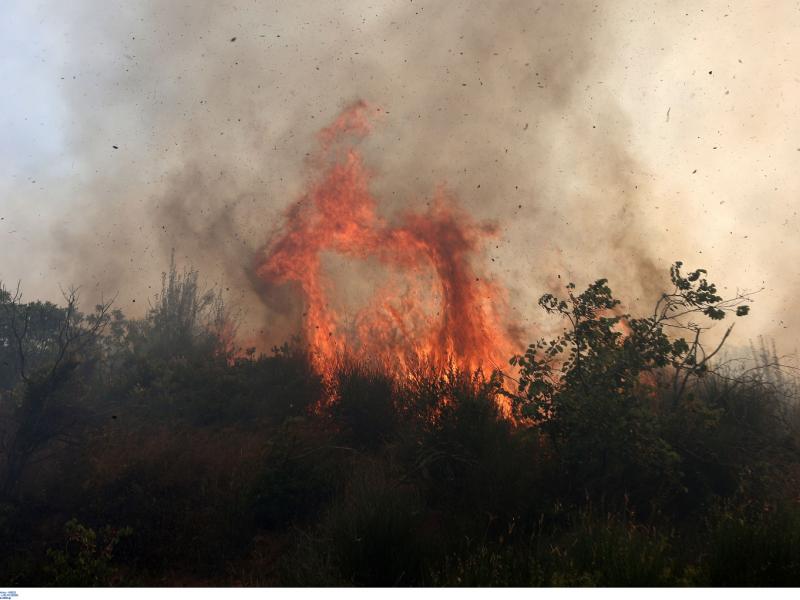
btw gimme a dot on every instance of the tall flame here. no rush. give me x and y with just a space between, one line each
434 305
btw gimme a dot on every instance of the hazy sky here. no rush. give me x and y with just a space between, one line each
607 139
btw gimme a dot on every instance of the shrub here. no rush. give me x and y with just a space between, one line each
754 548
612 551
86 557
299 475
591 389
371 535
364 406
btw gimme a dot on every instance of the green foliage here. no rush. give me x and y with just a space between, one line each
613 551
467 446
372 535
754 548
183 491
182 321
734 439
299 475
39 344
592 387
587 550
492 566
236 468
211 392
86 558
44 347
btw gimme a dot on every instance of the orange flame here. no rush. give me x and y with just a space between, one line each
434 305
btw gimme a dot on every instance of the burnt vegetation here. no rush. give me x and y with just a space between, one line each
624 451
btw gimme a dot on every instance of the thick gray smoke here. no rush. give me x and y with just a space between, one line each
190 125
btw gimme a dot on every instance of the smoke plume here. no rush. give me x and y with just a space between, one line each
193 126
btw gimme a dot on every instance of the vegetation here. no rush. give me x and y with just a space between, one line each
152 452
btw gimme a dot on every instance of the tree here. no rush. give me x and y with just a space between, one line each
44 345
592 389
182 320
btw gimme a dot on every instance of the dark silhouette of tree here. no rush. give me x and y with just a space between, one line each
182 320
592 389
44 345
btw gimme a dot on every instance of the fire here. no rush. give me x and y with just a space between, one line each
433 303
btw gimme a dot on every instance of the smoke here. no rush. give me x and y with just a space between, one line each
191 126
